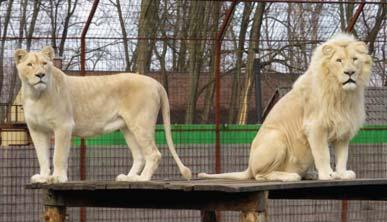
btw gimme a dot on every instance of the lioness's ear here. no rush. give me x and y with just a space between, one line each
361 47
49 52
328 50
19 55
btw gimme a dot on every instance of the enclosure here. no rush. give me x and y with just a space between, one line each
224 64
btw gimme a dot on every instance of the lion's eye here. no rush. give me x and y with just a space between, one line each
44 63
354 59
339 60
29 64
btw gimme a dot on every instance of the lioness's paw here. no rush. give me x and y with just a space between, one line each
346 175
130 178
123 177
326 176
37 178
57 179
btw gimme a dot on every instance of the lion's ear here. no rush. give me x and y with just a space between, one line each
361 47
328 50
49 52
19 55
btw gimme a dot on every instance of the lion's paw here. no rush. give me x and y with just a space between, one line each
346 175
291 177
202 175
57 179
37 178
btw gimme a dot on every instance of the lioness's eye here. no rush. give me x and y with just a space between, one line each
354 59
338 60
29 64
44 63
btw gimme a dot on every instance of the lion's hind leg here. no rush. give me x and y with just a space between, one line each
268 156
280 176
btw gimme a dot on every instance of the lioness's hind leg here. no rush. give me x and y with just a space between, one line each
152 156
138 159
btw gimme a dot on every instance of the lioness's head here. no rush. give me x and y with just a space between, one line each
35 68
346 61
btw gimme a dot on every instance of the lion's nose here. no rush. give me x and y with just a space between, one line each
350 73
40 75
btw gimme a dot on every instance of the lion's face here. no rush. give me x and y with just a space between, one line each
349 62
34 68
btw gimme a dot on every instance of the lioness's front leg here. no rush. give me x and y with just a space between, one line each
61 154
318 141
41 142
341 151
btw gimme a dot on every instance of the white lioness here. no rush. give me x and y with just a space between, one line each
325 106
55 103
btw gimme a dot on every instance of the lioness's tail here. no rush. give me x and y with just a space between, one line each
244 175
185 171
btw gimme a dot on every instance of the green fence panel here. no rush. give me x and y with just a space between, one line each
230 134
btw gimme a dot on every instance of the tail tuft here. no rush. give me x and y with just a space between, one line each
186 172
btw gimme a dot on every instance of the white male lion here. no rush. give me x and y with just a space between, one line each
325 106
55 103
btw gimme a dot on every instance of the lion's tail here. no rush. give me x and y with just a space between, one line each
244 175
185 171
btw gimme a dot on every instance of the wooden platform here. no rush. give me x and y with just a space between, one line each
249 196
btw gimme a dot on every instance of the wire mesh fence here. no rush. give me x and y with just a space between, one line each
174 42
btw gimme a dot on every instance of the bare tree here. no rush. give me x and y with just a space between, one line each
2 48
210 89
146 33
128 62
199 17
253 49
248 7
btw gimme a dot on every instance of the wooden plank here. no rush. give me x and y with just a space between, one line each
156 199
207 185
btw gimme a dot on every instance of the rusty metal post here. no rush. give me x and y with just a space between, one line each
218 47
354 18
344 210
351 25
82 156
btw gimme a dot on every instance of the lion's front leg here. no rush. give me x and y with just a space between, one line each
341 151
61 154
41 142
318 142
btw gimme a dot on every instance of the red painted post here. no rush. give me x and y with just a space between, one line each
218 46
82 155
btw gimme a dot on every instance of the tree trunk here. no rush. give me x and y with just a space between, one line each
209 93
70 12
381 16
253 49
182 35
124 35
147 25
31 28
239 57
161 56
198 27
2 48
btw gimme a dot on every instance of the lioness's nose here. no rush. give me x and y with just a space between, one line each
40 75
350 73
